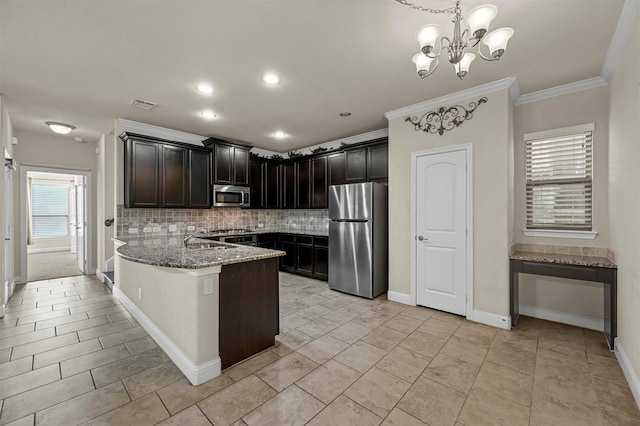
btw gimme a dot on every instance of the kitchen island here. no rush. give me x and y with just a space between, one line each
208 304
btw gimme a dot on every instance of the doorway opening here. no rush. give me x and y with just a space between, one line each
55 223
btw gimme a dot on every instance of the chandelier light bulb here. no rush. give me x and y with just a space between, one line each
497 41
427 36
462 67
480 18
423 63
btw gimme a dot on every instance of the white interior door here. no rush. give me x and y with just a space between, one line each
80 221
73 222
441 234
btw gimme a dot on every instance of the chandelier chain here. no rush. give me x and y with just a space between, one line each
426 9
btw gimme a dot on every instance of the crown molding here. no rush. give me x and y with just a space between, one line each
565 89
161 132
628 16
482 90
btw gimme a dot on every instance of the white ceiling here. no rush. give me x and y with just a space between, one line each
82 62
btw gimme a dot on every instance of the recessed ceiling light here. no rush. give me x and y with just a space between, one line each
60 128
271 78
209 115
205 88
279 134
345 114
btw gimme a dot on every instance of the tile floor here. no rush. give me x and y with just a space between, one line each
71 354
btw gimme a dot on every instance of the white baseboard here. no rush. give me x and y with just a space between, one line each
488 318
590 323
48 249
100 275
197 374
403 298
627 368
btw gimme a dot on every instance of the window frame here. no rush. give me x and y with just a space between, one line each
58 183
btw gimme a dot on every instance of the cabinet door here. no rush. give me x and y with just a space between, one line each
240 166
288 261
199 178
378 161
223 164
356 160
256 183
319 183
304 258
271 185
321 262
303 175
288 185
337 169
144 174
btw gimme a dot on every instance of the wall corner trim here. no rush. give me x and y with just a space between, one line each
484 89
565 89
627 368
197 374
161 132
628 16
488 318
403 298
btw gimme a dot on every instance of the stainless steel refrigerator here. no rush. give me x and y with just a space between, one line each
358 239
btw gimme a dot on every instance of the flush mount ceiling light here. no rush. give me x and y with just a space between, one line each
345 114
209 115
458 47
279 134
271 78
60 128
205 88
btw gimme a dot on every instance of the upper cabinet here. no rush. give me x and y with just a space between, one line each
264 181
160 173
337 168
230 163
367 163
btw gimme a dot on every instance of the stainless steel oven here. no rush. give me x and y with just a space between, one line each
231 196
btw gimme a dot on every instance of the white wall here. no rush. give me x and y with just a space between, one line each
6 134
490 134
580 298
624 195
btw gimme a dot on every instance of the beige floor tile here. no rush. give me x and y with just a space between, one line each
85 407
606 368
418 312
21 405
370 319
66 352
5 355
323 349
360 356
147 410
128 367
452 372
552 364
291 322
24 338
384 338
142 344
475 332
505 382
336 303
317 327
521 340
289 342
25 421
398 417
465 350
433 403
105 311
350 332
181 394
485 408
43 345
328 381
438 328
119 316
13 368
103 330
444 316
406 364
92 360
81 302
251 365
423 343
55 299
152 379
616 398
30 313
293 406
403 323
81 325
120 337
343 315
237 400
378 391
18 307
345 412
13 331
314 312
561 401
511 354
61 320
615 418
192 416
41 317
286 371
29 380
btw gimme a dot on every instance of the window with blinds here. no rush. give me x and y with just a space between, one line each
559 169
49 210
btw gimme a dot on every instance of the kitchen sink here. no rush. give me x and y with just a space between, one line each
210 245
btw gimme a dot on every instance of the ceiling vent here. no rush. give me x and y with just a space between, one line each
142 104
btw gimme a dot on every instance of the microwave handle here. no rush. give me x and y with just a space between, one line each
241 198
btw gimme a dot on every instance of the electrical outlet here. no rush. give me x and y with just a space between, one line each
133 230
208 286
261 225
140 293
173 228
191 228
146 229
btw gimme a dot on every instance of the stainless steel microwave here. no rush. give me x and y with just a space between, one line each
231 196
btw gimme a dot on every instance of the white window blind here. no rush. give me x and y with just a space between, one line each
49 210
559 169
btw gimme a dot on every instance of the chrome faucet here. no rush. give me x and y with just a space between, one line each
193 234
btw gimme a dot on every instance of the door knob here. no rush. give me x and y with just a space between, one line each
420 238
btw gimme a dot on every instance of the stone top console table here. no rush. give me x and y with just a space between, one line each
584 263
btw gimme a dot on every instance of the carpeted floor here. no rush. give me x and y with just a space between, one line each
44 266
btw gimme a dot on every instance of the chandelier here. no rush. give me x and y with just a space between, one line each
458 47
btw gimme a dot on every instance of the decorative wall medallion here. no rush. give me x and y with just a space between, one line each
444 118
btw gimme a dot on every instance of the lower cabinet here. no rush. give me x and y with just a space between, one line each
307 255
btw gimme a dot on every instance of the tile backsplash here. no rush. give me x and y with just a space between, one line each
176 221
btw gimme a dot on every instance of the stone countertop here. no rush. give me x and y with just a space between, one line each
564 259
169 251
281 230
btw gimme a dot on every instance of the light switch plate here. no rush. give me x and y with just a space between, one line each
173 228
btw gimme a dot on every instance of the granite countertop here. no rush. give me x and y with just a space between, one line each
282 230
169 251
564 259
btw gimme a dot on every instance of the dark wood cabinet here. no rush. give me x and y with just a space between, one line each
199 177
321 258
287 243
303 181
230 164
378 161
367 163
319 183
256 177
142 173
336 163
240 166
356 161
287 172
175 176
307 255
304 254
271 185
